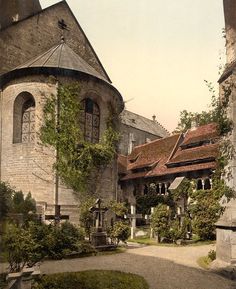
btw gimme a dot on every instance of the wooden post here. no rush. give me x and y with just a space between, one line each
151 231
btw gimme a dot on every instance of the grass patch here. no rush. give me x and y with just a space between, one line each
204 262
93 279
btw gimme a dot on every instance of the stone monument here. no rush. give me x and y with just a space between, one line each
99 237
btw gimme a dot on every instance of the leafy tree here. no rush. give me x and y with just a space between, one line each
23 205
77 159
120 209
5 199
217 113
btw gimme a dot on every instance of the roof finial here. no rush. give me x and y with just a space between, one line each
62 39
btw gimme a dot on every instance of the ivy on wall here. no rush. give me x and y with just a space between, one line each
76 159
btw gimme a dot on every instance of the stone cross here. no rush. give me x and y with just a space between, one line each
99 213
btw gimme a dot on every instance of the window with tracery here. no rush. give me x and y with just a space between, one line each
90 120
28 122
24 118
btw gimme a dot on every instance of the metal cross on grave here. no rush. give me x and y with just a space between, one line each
57 217
99 213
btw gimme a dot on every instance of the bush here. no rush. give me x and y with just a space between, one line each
160 221
21 248
57 241
212 255
96 279
119 232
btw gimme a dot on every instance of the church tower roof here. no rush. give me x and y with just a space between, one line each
61 57
12 11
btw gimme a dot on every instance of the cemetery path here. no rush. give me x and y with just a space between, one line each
162 267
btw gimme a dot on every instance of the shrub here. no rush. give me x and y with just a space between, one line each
21 248
119 232
160 221
212 255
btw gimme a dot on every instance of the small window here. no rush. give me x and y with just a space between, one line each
90 120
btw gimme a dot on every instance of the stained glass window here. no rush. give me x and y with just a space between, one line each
90 120
28 122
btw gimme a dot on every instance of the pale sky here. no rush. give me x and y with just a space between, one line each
157 53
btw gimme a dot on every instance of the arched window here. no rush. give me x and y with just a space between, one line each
24 119
199 185
207 184
90 120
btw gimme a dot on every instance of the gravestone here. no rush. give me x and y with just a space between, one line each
99 237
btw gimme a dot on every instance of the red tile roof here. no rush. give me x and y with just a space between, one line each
201 133
122 164
165 156
197 153
148 154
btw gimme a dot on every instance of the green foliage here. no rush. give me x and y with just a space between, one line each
145 202
120 209
5 199
56 241
217 112
12 201
205 211
23 205
21 248
29 245
76 158
86 217
95 279
119 232
160 221
212 255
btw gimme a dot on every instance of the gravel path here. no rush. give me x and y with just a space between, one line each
162 267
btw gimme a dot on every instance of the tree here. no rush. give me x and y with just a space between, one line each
217 113
76 159
5 199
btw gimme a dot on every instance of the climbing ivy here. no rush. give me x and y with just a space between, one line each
76 158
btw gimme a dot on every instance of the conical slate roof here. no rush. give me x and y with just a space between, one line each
62 57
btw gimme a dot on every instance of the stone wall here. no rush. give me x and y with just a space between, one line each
129 133
33 36
28 166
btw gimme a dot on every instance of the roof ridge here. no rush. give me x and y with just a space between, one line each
156 140
156 122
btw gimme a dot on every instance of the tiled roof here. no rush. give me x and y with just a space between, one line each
201 134
165 156
122 164
192 154
156 151
63 57
142 123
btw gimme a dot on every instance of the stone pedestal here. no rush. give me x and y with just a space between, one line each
226 234
99 238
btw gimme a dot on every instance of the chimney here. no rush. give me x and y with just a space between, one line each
154 118
12 11
230 29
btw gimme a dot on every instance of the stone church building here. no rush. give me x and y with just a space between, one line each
31 51
36 44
